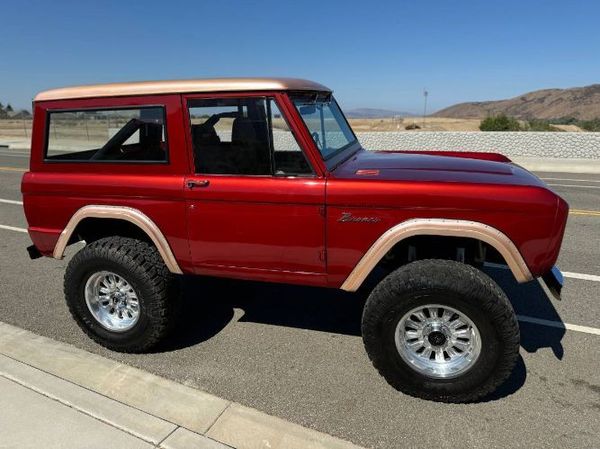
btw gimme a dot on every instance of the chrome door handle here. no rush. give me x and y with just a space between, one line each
191 183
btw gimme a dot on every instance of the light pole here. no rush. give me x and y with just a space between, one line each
425 94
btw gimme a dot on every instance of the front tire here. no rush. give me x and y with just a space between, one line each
121 294
441 330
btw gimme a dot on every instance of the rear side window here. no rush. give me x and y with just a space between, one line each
107 135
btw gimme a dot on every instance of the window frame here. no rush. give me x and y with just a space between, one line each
273 95
340 155
312 173
49 111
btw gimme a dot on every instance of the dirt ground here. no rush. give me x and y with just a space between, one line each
413 124
569 128
427 124
22 128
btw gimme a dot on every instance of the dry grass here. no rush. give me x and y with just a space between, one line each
429 124
569 128
22 128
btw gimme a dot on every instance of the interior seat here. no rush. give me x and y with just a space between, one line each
151 142
250 142
210 154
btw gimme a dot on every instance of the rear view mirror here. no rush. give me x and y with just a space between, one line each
308 110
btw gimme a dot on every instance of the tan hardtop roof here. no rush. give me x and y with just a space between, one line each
179 86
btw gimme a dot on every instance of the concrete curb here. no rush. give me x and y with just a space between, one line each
155 409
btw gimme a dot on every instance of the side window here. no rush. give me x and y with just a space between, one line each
243 136
107 135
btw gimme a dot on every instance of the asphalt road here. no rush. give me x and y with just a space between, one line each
296 352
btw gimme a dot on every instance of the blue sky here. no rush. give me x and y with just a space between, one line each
372 53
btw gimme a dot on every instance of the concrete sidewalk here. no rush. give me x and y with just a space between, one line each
38 409
53 395
31 420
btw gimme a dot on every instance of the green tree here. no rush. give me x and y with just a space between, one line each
500 122
9 108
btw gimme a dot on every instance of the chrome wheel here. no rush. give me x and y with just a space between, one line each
438 341
112 301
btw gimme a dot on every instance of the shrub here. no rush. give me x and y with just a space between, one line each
565 121
500 122
540 125
590 125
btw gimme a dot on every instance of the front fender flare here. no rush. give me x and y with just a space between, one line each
438 227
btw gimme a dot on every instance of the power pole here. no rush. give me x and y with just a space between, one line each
425 94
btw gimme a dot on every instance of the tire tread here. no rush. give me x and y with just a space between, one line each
433 273
147 264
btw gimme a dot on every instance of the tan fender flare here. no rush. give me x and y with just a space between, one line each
129 214
438 227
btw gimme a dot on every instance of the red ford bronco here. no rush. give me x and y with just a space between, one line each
263 179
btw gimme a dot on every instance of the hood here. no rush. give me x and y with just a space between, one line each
400 166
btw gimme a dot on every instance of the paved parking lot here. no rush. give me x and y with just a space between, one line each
296 352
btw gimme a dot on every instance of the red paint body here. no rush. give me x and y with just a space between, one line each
286 229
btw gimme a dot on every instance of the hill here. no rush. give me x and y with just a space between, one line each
582 103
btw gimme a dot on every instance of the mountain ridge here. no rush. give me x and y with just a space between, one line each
582 103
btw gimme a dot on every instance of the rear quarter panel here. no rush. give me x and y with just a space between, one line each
54 191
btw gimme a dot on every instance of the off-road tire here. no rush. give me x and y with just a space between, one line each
455 285
142 266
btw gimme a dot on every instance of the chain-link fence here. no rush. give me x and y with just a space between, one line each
15 128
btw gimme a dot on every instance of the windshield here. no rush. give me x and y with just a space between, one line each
326 123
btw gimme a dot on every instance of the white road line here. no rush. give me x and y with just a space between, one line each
559 325
524 318
585 277
567 274
14 153
571 179
20 203
12 228
581 186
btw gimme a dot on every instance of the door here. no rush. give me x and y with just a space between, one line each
255 206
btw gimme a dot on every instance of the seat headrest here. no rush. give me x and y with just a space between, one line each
204 134
151 134
243 130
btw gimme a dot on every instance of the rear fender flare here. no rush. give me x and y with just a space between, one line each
129 214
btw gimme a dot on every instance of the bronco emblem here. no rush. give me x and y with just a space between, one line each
347 217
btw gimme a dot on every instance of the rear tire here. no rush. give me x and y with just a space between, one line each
441 330
121 294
